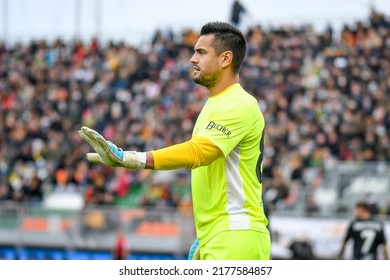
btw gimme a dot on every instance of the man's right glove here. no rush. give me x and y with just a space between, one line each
109 154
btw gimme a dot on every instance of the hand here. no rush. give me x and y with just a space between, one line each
194 253
108 153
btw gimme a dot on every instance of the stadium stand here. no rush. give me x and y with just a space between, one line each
325 97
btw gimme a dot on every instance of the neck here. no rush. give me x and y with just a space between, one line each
223 83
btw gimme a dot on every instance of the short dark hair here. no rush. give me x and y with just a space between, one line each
227 38
364 206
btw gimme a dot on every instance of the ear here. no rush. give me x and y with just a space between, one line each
226 59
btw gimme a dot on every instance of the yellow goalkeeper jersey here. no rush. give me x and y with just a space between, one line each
227 193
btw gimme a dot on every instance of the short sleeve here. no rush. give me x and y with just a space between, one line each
227 126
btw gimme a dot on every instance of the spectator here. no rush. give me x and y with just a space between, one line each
324 99
302 249
120 251
237 10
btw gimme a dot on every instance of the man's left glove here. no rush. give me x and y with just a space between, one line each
194 253
109 154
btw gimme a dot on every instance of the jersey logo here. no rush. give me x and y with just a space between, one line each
219 127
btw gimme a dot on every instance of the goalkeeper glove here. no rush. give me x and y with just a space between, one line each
194 253
109 154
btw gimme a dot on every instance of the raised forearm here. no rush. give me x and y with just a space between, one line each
197 152
191 154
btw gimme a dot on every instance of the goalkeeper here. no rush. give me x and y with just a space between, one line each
225 153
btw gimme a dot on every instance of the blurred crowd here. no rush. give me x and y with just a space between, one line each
325 97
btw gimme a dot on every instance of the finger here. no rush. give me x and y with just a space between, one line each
86 138
102 147
94 139
96 146
92 134
111 153
94 158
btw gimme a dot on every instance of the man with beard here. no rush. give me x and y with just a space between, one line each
225 153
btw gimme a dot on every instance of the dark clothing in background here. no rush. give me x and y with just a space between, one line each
237 10
367 235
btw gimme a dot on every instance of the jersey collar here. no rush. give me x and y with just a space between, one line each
225 90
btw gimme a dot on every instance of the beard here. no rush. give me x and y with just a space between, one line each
207 79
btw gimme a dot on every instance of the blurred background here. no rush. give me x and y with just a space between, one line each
319 69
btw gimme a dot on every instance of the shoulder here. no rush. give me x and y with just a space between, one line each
240 95
239 100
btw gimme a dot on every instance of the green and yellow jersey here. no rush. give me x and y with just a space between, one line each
225 154
227 192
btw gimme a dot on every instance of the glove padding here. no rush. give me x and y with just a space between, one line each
108 153
194 253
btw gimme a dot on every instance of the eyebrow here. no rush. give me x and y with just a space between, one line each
199 49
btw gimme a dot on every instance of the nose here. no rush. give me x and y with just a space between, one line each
194 59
